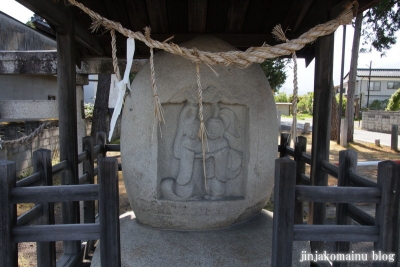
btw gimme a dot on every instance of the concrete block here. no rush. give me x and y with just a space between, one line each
28 109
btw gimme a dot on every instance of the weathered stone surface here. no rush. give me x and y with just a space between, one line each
164 176
247 244
28 109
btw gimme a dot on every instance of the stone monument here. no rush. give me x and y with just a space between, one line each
172 185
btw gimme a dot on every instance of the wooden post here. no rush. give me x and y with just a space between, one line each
284 142
101 139
46 251
283 221
300 169
395 137
8 214
321 127
67 120
110 250
387 216
88 168
347 164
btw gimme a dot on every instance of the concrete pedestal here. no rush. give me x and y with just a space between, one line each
246 244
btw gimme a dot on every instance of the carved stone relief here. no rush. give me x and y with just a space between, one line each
223 155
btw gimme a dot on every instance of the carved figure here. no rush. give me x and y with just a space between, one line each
222 162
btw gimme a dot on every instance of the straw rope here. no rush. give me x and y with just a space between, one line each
114 54
158 110
237 58
25 139
202 134
279 34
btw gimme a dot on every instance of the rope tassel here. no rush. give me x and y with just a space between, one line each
158 110
202 134
279 34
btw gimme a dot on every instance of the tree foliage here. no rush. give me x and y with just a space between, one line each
394 101
281 97
305 103
380 24
274 69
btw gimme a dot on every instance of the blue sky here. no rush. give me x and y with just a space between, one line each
305 75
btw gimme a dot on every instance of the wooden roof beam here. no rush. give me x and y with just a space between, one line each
55 14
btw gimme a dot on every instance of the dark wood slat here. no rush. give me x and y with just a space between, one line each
306 158
321 123
284 141
387 212
70 260
351 233
60 167
157 11
236 16
30 216
112 147
61 193
138 14
296 14
276 14
316 14
330 169
82 156
177 16
290 151
117 11
347 164
98 149
217 12
197 16
30 180
8 214
300 148
305 179
58 232
358 180
88 169
283 221
359 216
84 179
256 14
46 251
56 15
109 212
66 88
337 194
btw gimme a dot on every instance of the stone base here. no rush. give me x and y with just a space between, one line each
246 244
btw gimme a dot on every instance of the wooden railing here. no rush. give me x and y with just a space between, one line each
38 188
293 188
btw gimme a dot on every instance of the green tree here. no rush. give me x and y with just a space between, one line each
380 24
305 103
274 69
281 97
394 101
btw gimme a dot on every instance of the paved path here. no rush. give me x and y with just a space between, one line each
359 134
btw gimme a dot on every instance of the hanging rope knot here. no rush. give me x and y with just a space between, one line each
279 34
158 110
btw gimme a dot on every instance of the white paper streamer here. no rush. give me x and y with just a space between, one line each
122 85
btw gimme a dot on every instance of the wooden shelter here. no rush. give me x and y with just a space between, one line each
242 23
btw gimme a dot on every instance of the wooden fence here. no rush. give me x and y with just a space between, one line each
38 188
292 189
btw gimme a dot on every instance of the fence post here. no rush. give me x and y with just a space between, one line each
8 214
101 139
88 168
46 251
284 142
387 211
395 137
299 148
347 164
283 221
110 250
